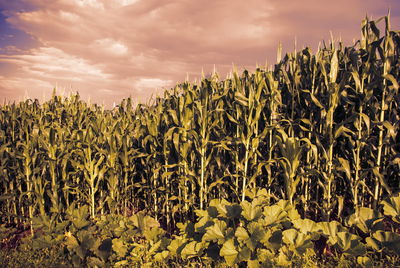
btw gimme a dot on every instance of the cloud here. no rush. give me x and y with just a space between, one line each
40 70
48 61
110 46
89 3
151 83
124 3
110 49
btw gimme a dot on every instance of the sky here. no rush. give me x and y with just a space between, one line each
108 50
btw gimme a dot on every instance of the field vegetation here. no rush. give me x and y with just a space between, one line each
298 164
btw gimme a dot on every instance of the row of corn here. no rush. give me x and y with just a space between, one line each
320 130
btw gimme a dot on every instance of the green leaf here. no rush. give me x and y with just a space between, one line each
364 261
229 252
122 263
391 207
342 129
253 264
330 229
87 241
233 120
393 80
391 130
257 233
389 241
200 213
105 249
191 249
221 207
381 179
274 215
307 226
289 236
216 231
244 254
346 167
273 239
350 244
175 245
250 211
161 256
366 219
241 234
153 234
292 212
119 247
298 242
233 211
71 241
373 243
315 101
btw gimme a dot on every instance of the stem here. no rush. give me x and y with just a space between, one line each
254 152
357 167
185 188
126 192
380 143
29 188
246 160
54 184
357 171
202 153
237 155
167 194
330 168
155 194
92 196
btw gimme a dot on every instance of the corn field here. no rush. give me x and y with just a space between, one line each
319 130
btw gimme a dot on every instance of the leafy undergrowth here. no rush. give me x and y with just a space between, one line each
253 233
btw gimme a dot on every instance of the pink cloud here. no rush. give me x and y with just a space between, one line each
118 48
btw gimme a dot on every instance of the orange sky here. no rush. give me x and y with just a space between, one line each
111 49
